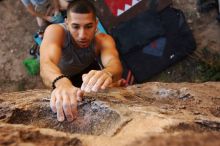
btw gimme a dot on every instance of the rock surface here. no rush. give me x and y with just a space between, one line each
147 114
17 28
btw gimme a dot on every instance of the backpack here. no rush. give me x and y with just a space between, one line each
145 60
148 39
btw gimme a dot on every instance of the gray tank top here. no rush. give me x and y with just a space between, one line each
74 60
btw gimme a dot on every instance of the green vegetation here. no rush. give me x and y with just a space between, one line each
210 66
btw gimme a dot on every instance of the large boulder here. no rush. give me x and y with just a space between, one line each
146 114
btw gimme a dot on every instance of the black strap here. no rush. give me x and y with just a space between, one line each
56 79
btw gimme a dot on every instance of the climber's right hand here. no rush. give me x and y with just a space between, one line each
64 100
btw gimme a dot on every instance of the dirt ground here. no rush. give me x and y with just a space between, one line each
16 35
16 30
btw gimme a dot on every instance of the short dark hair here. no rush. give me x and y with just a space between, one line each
82 7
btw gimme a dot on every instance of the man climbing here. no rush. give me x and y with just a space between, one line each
43 10
68 59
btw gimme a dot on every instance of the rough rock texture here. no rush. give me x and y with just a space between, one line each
149 114
16 38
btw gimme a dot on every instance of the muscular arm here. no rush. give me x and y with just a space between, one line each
50 53
56 5
95 80
109 56
64 97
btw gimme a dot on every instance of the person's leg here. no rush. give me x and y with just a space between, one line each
43 9
63 4
41 23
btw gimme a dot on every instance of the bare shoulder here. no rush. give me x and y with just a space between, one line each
103 37
54 33
52 43
105 43
54 29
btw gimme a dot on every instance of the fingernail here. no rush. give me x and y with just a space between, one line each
61 119
82 87
79 98
53 110
74 117
87 89
94 89
69 119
